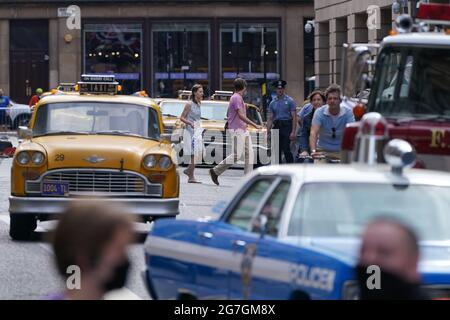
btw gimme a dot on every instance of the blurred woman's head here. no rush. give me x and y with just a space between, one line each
317 99
94 238
197 93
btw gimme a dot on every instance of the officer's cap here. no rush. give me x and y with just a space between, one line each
279 84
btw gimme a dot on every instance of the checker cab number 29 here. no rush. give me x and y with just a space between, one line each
92 143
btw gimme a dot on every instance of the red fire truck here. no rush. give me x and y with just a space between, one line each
410 87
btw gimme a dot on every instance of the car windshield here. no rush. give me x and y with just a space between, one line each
97 118
214 111
412 83
349 206
172 108
209 111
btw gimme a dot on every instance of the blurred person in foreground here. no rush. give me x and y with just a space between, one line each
393 247
93 238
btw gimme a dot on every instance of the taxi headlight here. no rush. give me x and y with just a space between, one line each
37 158
165 162
150 161
23 158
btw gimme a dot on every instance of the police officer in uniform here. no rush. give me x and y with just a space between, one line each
282 115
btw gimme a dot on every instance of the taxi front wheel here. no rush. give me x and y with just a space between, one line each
21 226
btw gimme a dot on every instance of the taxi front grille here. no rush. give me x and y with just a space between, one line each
98 182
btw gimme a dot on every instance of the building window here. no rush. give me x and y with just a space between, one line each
250 51
181 57
115 49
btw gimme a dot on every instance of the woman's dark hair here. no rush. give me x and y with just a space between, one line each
194 90
315 92
239 84
84 231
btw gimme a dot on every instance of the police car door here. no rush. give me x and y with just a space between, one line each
228 240
259 276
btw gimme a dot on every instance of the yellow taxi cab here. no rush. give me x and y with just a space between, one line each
214 118
93 145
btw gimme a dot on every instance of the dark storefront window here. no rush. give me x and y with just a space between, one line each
180 57
116 49
251 51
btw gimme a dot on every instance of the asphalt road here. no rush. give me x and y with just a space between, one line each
27 268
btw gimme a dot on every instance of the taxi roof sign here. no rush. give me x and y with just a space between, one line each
66 87
222 95
184 94
98 78
98 84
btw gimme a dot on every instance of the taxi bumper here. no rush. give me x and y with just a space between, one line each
56 206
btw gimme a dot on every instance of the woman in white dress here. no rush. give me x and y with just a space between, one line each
191 116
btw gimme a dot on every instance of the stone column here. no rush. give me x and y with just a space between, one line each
53 54
70 52
294 56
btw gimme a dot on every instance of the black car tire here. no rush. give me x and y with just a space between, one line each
21 226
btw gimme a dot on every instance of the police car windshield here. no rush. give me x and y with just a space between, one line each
412 83
97 118
172 109
349 206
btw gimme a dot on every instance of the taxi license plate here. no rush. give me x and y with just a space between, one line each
56 188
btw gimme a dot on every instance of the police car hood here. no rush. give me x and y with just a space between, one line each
434 255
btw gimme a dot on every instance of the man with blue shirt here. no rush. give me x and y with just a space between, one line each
328 125
4 103
282 116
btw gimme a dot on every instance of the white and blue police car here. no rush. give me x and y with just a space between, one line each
293 231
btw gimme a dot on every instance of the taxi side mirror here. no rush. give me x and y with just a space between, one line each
174 137
24 132
166 137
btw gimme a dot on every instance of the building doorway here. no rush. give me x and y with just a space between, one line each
28 66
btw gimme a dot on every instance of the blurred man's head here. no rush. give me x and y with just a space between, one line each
333 96
391 246
94 237
240 85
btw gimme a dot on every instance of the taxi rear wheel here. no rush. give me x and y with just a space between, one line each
21 226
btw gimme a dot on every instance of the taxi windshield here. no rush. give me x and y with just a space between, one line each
172 108
96 118
214 111
349 206
412 82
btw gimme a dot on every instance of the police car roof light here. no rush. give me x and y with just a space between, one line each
399 154
404 23
437 13
373 123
